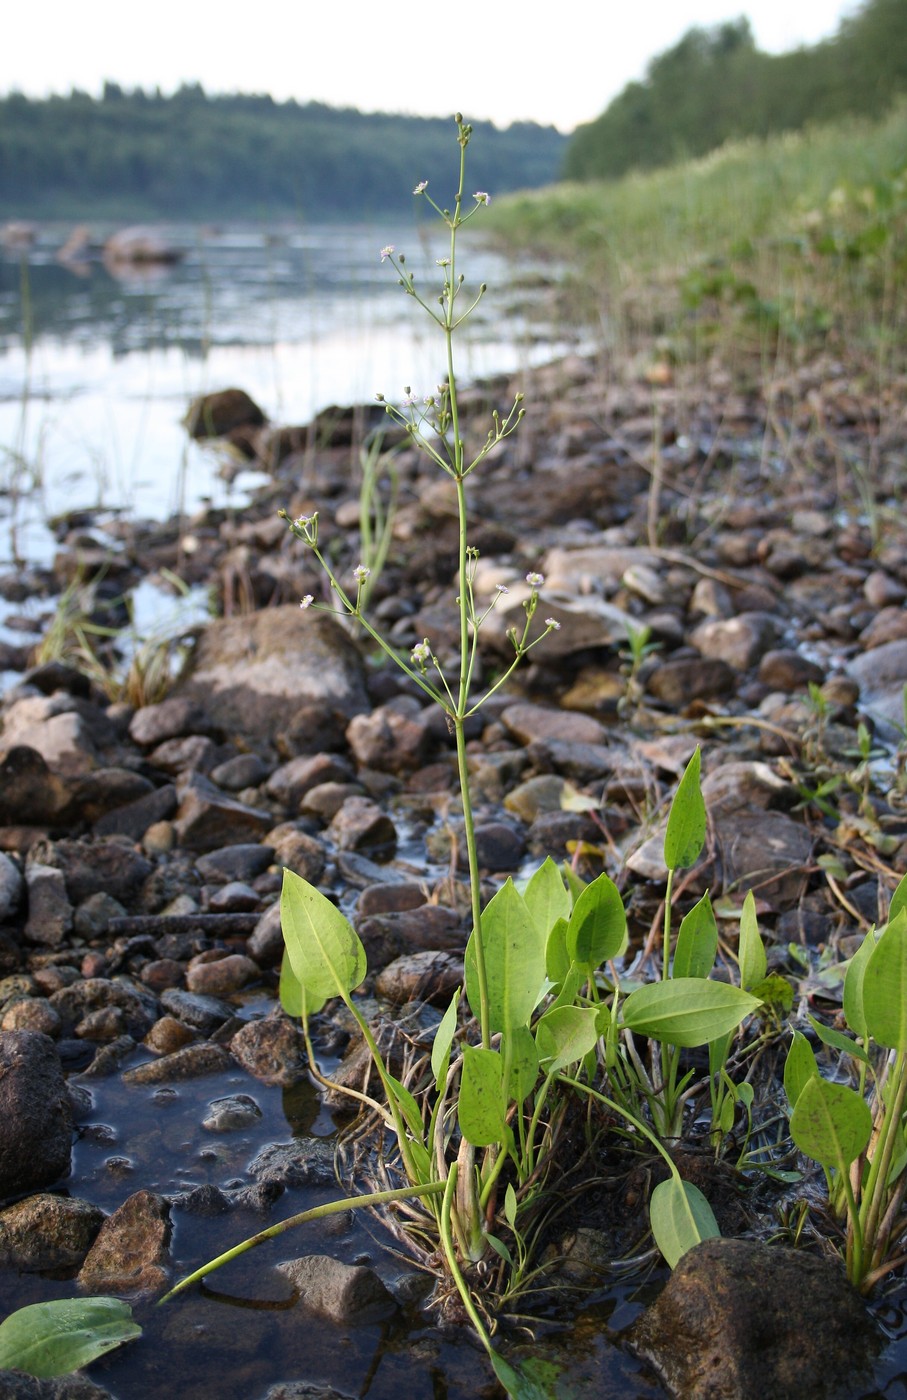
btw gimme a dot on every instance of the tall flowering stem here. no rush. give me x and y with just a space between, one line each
434 426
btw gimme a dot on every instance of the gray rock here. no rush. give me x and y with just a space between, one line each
132 1250
207 819
738 1320
291 781
428 976
108 864
304 1390
787 670
30 1014
298 851
253 673
49 909
394 738
170 719
46 1232
531 722
348 1294
240 862
134 818
202 1013
30 794
138 1005
12 886
246 770
678 682
361 825
740 641
881 675
265 944
35 1114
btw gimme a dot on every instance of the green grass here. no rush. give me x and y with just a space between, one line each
802 236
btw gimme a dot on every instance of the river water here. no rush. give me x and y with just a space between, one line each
97 370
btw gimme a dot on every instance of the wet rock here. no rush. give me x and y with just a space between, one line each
348 1294
764 851
30 1014
217 414
325 800
109 1059
194 754
428 976
138 1006
881 675
272 1050
207 819
191 1062
168 1035
390 899
537 795
301 1390
361 825
231 1114
743 784
254 674
583 763
220 976
740 1321
35 1114
92 917
303 1162
881 590
49 909
133 819
131 1253
47 1233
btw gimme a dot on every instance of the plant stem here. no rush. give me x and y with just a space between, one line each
374 1198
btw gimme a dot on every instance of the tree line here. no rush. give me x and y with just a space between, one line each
190 154
715 85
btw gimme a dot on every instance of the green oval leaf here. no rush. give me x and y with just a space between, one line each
831 1123
54 1338
597 929
697 941
546 896
440 1049
853 985
685 835
514 961
836 1040
680 1217
799 1067
885 986
750 949
686 1011
325 953
565 1035
481 1109
899 898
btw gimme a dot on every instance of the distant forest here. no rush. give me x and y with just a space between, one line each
715 86
190 155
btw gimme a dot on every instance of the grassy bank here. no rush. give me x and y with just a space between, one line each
763 245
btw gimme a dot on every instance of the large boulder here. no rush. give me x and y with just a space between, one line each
738 1320
254 675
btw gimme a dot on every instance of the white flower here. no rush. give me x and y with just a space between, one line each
482 197
443 262
553 624
501 588
386 252
535 580
421 652
307 601
302 521
421 187
361 573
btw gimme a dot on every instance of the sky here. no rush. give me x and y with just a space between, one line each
486 58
